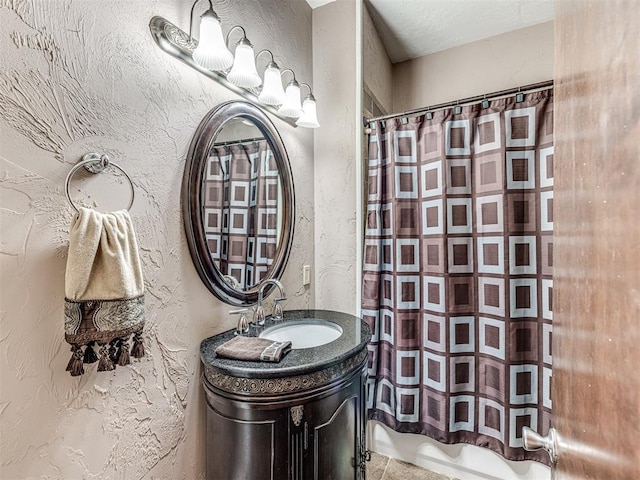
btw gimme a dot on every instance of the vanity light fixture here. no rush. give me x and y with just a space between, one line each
309 117
212 58
291 106
212 52
272 92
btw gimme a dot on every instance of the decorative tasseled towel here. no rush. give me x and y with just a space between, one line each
104 291
253 349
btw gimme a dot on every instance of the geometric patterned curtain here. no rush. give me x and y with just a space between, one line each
242 186
457 274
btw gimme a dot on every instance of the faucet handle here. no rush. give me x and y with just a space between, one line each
258 315
278 314
243 324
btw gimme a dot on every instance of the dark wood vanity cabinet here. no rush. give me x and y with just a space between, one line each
308 426
301 418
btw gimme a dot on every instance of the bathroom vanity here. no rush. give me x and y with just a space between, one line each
301 418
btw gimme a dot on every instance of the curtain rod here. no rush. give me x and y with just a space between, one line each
237 142
477 98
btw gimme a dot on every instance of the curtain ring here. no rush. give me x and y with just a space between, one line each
95 163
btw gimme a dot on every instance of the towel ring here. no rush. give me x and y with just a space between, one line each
95 163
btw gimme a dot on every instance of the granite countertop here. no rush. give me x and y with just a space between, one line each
356 334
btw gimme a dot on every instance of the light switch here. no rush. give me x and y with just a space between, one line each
306 274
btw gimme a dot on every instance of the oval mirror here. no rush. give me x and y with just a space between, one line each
237 202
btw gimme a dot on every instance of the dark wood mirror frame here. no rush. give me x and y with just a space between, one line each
192 195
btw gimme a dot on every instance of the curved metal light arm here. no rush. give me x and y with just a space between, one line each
272 63
310 96
264 50
244 35
294 81
191 16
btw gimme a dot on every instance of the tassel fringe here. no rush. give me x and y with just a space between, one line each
89 354
114 350
105 364
75 363
114 353
123 357
137 351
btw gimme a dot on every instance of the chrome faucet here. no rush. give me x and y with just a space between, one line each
232 282
258 311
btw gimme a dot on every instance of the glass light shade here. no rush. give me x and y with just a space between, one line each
309 118
291 106
272 92
244 73
212 52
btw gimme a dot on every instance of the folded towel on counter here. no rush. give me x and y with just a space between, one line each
253 349
104 291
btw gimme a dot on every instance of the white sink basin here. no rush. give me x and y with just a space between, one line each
307 333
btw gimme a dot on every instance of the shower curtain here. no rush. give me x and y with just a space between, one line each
241 210
457 274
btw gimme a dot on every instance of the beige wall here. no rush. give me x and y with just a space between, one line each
336 173
377 69
509 60
79 76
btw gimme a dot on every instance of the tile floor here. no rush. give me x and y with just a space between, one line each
385 468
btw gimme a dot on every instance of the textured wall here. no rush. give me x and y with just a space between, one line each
336 88
85 75
377 70
505 61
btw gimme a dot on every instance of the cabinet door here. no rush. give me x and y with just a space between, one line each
245 440
333 427
336 443
239 449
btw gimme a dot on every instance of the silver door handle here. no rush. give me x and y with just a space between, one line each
534 441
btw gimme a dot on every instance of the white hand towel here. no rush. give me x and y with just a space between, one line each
104 290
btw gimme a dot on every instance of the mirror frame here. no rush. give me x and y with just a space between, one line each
192 198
